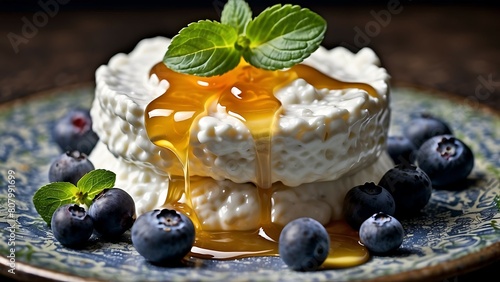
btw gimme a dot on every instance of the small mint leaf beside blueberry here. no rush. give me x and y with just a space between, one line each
94 182
48 198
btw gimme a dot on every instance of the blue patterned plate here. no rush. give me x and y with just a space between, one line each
461 230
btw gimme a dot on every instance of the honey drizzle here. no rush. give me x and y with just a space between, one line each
247 93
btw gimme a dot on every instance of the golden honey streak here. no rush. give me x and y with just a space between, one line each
247 93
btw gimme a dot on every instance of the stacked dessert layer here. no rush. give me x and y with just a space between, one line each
324 142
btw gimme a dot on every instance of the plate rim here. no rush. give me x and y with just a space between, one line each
458 266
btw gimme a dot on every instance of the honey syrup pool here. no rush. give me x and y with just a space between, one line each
247 92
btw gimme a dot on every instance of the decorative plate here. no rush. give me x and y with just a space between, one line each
460 230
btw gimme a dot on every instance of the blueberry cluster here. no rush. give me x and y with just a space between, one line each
111 214
112 211
160 236
428 142
427 156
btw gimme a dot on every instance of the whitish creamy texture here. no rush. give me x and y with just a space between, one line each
331 139
225 205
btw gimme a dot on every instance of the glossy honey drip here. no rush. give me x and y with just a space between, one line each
247 93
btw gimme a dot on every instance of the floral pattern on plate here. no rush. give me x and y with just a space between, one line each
455 225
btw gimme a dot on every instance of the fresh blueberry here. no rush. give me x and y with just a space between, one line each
113 212
163 236
381 233
70 167
446 159
71 225
304 244
410 187
362 201
74 132
423 127
401 149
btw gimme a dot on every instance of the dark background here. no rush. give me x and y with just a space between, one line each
448 46
451 46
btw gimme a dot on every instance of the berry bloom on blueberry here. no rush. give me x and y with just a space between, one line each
423 127
410 187
304 244
113 212
69 167
163 236
381 233
362 201
71 225
446 159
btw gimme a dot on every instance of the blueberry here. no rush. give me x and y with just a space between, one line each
423 127
410 187
71 225
74 132
304 244
362 201
401 149
163 236
113 212
70 167
446 159
381 233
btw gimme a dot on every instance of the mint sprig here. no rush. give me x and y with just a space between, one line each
204 48
279 37
53 195
236 14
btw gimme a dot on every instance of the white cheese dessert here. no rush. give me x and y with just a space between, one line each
323 142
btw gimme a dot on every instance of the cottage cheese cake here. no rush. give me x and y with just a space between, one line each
320 142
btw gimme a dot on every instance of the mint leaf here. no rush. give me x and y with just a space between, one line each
237 14
93 183
51 196
282 36
204 48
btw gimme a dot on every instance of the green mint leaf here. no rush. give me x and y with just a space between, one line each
237 14
51 196
93 183
282 36
204 48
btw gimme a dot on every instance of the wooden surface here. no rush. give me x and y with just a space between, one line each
454 49
449 48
